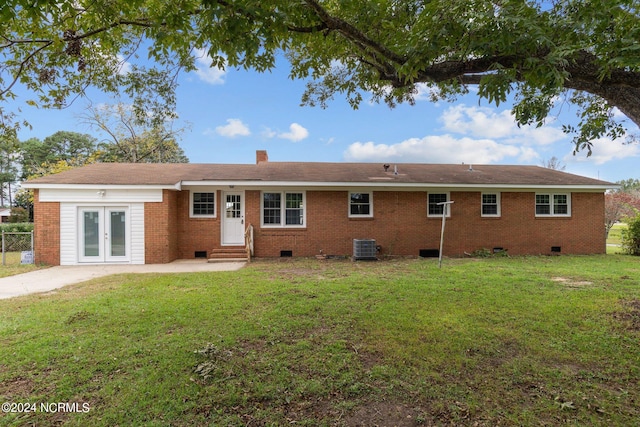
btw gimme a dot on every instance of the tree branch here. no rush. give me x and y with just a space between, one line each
22 66
352 33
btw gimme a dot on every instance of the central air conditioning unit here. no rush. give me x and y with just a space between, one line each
364 249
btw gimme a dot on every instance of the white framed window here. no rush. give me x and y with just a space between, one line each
360 205
490 204
283 208
202 204
433 208
553 204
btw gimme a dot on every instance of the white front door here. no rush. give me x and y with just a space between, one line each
103 234
233 218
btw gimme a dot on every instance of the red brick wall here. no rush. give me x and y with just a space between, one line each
520 231
401 226
46 231
196 234
161 229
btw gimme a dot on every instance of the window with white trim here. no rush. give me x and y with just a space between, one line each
360 205
283 209
553 204
433 208
203 204
490 204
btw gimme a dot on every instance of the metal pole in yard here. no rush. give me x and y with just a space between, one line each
3 258
445 206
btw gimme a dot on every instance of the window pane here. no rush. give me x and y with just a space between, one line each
360 204
91 234
434 199
560 205
490 210
560 199
118 234
490 204
204 204
271 205
294 200
560 209
490 199
360 198
543 210
294 209
543 204
232 208
294 217
360 210
542 199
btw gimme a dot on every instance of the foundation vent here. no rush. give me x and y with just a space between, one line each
429 253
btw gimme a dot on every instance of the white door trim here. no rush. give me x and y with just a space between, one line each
232 223
101 240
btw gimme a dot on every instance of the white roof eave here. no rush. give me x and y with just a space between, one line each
101 186
318 185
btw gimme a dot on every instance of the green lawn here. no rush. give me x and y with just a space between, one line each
13 266
497 341
614 239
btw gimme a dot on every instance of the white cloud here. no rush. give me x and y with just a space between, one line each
425 93
475 135
123 66
268 133
605 150
204 70
296 133
482 122
434 149
233 128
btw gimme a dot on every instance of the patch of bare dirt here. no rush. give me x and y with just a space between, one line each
572 283
17 388
385 413
629 318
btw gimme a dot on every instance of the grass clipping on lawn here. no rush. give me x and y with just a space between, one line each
497 341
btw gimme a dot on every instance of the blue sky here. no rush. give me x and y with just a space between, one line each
231 114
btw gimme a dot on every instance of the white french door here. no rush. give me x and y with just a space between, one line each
103 234
233 218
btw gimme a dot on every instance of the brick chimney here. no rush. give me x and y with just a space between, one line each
261 156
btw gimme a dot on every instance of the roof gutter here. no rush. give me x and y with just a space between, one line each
394 185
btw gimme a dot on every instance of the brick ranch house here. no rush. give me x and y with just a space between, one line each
158 213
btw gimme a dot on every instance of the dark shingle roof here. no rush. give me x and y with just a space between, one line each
309 172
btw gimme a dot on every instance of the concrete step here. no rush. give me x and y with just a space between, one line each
234 253
212 260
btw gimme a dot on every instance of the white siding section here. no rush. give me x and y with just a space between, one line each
68 234
69 229
107 196
136 215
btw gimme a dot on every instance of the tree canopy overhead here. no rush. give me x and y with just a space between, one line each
584 52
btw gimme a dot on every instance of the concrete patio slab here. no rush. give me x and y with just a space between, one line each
56 277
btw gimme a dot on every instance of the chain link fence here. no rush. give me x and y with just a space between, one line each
17 247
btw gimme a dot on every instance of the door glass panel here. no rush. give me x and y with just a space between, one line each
91 222
118 234
233 206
